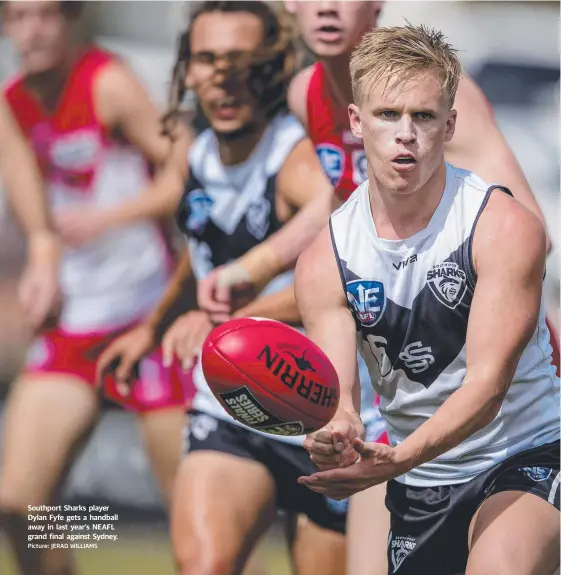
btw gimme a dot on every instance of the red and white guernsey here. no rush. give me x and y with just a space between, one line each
341 154
119 277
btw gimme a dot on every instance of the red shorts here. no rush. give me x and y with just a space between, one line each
56 351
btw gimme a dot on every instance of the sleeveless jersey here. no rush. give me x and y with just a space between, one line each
341 154
411 301
117 278
226 211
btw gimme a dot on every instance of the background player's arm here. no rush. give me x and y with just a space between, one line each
479 146
124 104
292 196
509 258
280 251
23 185
38 288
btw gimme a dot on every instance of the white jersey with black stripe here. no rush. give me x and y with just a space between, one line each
411 301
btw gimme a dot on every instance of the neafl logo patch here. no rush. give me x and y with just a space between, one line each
448 283
367 298
332 160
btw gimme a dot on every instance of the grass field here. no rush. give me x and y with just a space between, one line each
149 554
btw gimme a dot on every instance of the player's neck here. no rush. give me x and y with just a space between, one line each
399 216
236 149
339 78
48 86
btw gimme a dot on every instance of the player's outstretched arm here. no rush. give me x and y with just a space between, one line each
125 104
301 184
23 185
330 325
124 107
478 145
509 258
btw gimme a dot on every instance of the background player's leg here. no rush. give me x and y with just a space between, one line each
46 418
514 532
368 527
222 503
161 432
317 550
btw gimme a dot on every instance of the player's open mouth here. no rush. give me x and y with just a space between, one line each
226 108
329 34
404 163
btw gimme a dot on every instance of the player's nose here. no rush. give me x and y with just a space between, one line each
405 130
327 8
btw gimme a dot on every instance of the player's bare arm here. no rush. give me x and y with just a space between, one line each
24 189
124 106
302 184
330 325
300 166
124 103
509 259
479 146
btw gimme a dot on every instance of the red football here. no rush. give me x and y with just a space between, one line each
270 376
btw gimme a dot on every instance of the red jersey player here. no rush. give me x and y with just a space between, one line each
97 138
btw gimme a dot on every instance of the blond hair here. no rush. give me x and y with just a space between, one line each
403 51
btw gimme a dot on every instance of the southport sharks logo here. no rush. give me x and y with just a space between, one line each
448 283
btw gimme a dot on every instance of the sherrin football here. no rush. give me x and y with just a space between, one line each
269 376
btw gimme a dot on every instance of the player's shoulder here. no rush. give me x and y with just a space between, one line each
203 148
298 93
505 226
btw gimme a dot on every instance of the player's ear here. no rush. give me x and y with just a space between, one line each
354 119
450 125
290 6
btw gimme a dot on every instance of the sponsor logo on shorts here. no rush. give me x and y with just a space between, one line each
400 548
201 426
537 473
332 160
448 283
289 372
244 407
368 300
39 353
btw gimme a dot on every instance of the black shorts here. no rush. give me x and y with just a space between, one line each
285 462
429 525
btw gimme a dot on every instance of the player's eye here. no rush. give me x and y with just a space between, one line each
388 114
424 115
204 58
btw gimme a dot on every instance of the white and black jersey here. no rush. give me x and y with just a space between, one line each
227 210
411 301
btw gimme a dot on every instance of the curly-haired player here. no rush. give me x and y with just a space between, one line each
246 179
